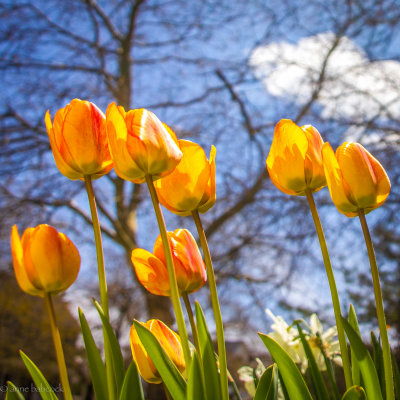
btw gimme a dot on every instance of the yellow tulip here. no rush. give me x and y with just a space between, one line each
191 185
140 144
169 341
190 270
78 140
356 179
44 260
295 161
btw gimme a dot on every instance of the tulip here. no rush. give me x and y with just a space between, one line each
190 270
78 140
356 180
168 340
295 162
45 261
140 144
191 185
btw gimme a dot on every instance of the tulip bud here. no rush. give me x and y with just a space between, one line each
78 140
168 340
356 179
191 185
44 260
140 144
295 162
190 271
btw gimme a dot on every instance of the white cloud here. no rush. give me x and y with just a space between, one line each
354 87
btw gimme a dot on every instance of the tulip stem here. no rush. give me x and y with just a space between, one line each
102 282
192 324
215 306
379 308
58 347
171 272
334 293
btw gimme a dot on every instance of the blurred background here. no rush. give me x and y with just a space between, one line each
219 72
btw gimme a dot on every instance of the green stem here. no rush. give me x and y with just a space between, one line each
58 347
102 283
387 364
215 306
334 293
171 272
192 324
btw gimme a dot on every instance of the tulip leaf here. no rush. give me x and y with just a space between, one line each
13 392
132 386
355 393
195 384
211 375
291 376
45 390
267 388
396 376
170 375
316 376
377 356
367 367
116 355
355 368
96 366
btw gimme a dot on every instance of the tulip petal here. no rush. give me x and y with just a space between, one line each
70 261
210 193
334 179
62 165
151 272
18 262
285 160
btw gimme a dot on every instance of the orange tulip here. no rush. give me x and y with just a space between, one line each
191 185
169 341
295 161
190 270
78 140
45 261
140 144
356 179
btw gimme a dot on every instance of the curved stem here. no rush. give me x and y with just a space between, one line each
192 324
215 306
334 293
58 347
102 282
171 272
387 364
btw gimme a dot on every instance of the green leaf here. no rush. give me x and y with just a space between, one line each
170 375
45 390
13 392
378 359
267 388
316 377
211 375
132 386
355 368
96 366
117 360
355 393
367 367
396 376
195 384
292 378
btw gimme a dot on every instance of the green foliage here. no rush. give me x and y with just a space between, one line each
195 384
13 392
211 375
45 390
355 393
367 367
96 366
355 368
267 388
132 385
291 375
